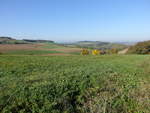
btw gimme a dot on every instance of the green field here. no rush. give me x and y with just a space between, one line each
53 46
29 52
75 84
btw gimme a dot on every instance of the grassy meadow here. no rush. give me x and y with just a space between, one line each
30 52
75 84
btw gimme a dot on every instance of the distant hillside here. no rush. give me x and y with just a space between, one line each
38 41
10 40
6 38
127 43
140 48
97 45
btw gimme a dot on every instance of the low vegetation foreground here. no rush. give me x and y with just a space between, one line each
75 84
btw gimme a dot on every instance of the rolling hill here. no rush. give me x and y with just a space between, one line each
140 48
97 45
9 40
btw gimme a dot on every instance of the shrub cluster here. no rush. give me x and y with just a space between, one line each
95 52
99 52
84 52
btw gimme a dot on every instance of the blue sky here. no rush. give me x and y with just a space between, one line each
74 20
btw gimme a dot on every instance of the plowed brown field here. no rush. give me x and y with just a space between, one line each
10 47
14 47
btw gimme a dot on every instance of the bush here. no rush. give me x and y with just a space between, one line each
95 52
113 51
84 52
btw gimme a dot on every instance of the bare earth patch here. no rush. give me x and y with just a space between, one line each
10 47
123 51
15 47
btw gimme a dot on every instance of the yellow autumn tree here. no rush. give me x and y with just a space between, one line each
84 52
95 52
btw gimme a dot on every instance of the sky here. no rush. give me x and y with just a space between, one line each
76 20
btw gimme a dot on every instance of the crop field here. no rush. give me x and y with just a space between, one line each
75 84
13 47
47 49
